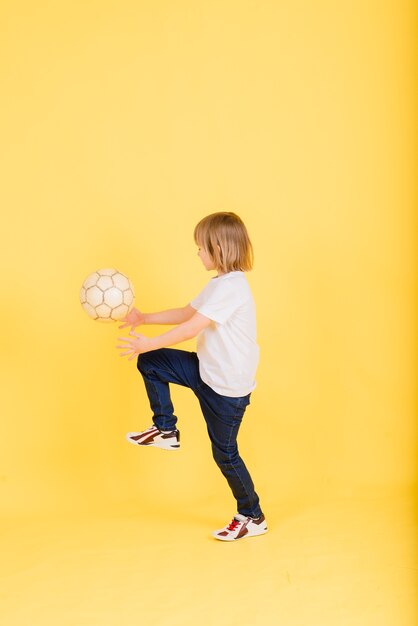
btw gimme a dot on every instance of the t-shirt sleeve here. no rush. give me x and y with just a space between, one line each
217 302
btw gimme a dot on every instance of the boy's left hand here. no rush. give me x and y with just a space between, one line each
135 344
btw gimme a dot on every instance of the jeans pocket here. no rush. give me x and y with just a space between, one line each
243 401
223 405
235 406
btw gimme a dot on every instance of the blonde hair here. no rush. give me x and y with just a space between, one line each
225 238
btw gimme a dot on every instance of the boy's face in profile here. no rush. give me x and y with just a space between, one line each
205 258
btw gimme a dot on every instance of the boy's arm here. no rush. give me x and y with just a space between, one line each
138 344
171 316
182 332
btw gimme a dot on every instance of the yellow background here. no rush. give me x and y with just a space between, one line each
122 124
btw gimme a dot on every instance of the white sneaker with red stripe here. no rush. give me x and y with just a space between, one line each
240 527
153 436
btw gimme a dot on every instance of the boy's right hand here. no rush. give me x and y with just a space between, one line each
133 319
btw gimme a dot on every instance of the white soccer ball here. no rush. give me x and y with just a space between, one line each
107 295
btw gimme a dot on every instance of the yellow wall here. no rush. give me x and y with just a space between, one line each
122 124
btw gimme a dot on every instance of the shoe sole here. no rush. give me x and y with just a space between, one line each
263 532
149 445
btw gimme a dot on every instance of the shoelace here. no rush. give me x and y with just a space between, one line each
234 524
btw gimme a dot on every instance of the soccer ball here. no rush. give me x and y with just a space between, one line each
107 295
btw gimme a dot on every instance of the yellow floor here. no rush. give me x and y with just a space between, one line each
342 562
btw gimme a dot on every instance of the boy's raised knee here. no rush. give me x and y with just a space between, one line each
148 361
140 363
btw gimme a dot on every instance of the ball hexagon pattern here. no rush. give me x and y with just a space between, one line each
107 295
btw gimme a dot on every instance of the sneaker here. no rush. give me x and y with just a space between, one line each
153 436
242 526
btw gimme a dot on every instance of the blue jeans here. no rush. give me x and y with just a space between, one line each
223 416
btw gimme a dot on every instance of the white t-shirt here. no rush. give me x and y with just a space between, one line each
227 349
